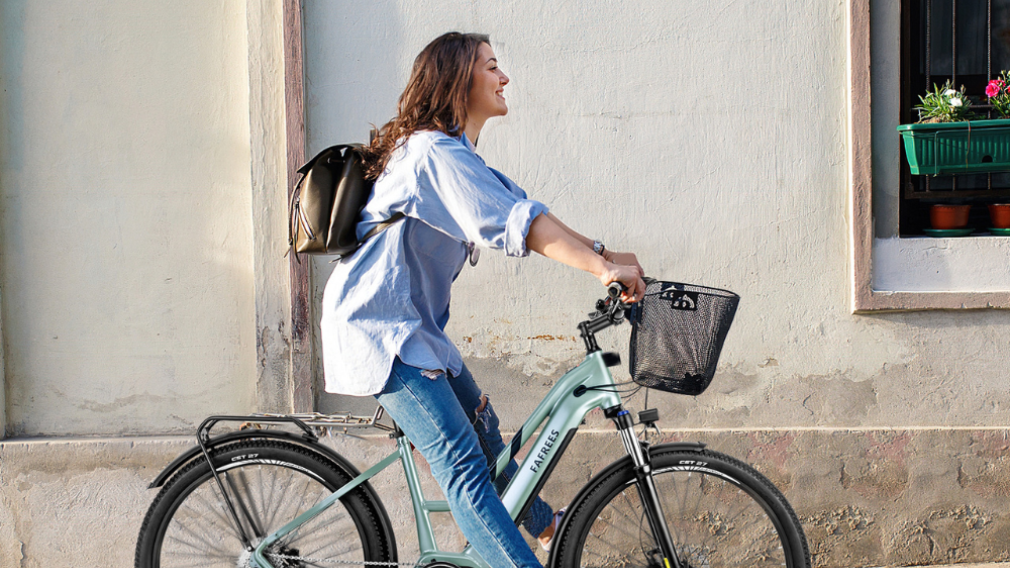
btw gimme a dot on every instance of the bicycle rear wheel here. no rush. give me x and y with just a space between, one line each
270 482
720 512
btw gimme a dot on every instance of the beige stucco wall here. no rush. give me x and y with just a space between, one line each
126 225
717 152
711 140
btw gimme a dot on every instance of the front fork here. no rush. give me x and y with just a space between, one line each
646 486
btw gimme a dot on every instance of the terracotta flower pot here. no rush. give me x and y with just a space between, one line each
1000 215
949 216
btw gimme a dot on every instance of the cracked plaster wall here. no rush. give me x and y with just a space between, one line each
866 497
717 153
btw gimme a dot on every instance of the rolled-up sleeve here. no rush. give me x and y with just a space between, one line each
518 225
460 196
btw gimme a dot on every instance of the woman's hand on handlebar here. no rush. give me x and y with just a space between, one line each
625 258
629 276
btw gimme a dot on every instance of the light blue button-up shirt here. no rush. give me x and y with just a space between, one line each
391 297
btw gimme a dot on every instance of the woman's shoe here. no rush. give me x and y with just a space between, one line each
546 538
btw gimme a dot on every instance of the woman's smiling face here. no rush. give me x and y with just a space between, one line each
486 98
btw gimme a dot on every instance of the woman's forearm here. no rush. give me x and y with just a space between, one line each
579 237
551 238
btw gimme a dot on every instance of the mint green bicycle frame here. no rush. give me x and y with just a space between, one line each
588 386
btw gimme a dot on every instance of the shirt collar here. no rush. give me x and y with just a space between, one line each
466 141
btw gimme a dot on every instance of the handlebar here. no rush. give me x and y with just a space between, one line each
609 311
615 289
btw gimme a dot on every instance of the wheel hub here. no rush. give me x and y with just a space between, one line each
280 558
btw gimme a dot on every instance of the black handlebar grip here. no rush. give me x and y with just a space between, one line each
614 289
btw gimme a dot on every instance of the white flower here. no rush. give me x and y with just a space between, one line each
949 93
955 102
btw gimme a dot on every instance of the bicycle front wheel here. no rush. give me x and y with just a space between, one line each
720 512
269 482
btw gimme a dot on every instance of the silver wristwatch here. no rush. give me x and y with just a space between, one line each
598 247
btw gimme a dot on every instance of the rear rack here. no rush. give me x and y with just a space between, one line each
339 420
343 420
308 422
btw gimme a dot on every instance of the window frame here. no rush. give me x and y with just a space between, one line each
303 395
865 299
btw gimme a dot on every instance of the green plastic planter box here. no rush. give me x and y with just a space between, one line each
976 146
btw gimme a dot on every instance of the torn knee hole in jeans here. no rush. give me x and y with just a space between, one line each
483 412
432 374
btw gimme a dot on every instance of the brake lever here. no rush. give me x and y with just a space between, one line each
611 307
616 313
617 307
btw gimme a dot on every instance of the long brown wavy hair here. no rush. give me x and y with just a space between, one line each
435 97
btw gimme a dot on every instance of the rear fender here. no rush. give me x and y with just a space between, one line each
194 452
303 441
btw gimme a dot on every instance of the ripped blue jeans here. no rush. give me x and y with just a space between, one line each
430 410
540 515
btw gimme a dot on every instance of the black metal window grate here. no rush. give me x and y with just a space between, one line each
968 43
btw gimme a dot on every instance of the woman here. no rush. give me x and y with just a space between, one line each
385 308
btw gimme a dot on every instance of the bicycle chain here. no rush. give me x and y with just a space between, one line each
334 561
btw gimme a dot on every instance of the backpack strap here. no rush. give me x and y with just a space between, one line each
375 231
383 226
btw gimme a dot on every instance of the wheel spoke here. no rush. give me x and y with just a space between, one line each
270 483
241 507
716 519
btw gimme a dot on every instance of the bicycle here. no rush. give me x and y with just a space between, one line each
272 499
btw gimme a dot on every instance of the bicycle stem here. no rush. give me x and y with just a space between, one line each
646 485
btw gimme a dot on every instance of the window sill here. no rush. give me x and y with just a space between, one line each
927 273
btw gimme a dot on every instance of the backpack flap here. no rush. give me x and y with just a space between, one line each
312 201
352 193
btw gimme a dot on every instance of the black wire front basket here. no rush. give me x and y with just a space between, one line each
677 332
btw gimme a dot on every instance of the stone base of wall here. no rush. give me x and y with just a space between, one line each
866 497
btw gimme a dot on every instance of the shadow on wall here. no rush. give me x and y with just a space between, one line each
11 155
11 58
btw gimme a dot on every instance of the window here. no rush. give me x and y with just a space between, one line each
966 42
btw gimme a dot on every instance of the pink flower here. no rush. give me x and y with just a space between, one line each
994 87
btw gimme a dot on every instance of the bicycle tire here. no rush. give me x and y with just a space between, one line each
188 522
720 512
